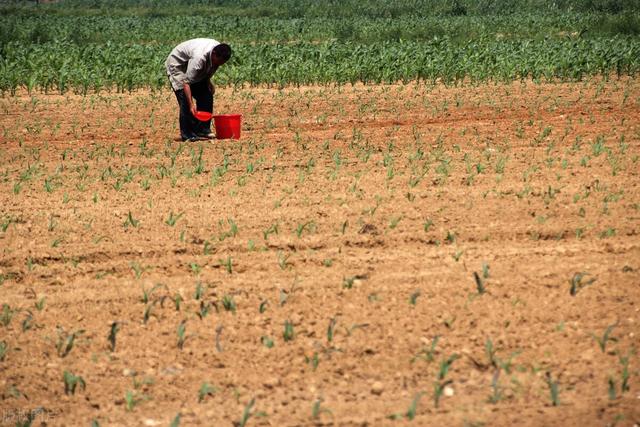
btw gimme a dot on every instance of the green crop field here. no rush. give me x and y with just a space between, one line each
96 45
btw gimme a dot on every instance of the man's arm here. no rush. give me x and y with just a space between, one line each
187 93
194 68
212 88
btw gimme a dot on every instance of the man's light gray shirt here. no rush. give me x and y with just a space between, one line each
190 62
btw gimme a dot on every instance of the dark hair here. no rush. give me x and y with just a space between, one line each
223 51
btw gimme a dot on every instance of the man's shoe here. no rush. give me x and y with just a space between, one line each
193 139
209 135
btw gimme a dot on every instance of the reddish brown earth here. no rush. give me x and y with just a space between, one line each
366 211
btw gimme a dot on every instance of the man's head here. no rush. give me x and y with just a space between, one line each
221 54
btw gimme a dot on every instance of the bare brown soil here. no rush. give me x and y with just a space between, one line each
396 228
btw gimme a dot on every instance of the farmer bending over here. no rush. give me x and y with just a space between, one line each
190 66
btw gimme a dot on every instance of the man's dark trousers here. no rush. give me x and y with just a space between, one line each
190 127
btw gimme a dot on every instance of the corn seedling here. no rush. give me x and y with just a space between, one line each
612 389
263 306
496 394
609 232
205 390
4 224
71 381
27 323
553 389
148 312
372 210
438 390
232 232
228 303
624 386
113 331
450 237
145 184
147 293
347 282
176 421
318 410
414 297
331 329
30 416
247 413
65 341
284 296
288 333
131 399
602 342
200 289
195 268
219 329
6 315
485 271
491 353
57 242
394 221
479 283
314 360
177 301
131 221
13 391
283 260
228 264
506 365
4 348
273 229
354 327
309 226
203 310
266 341
182 337
411 412
427 353
137 269
577 283
449 321
445 365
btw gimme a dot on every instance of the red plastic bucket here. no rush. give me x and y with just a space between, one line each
227 126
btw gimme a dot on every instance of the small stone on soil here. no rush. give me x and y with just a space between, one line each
272 382
377 388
